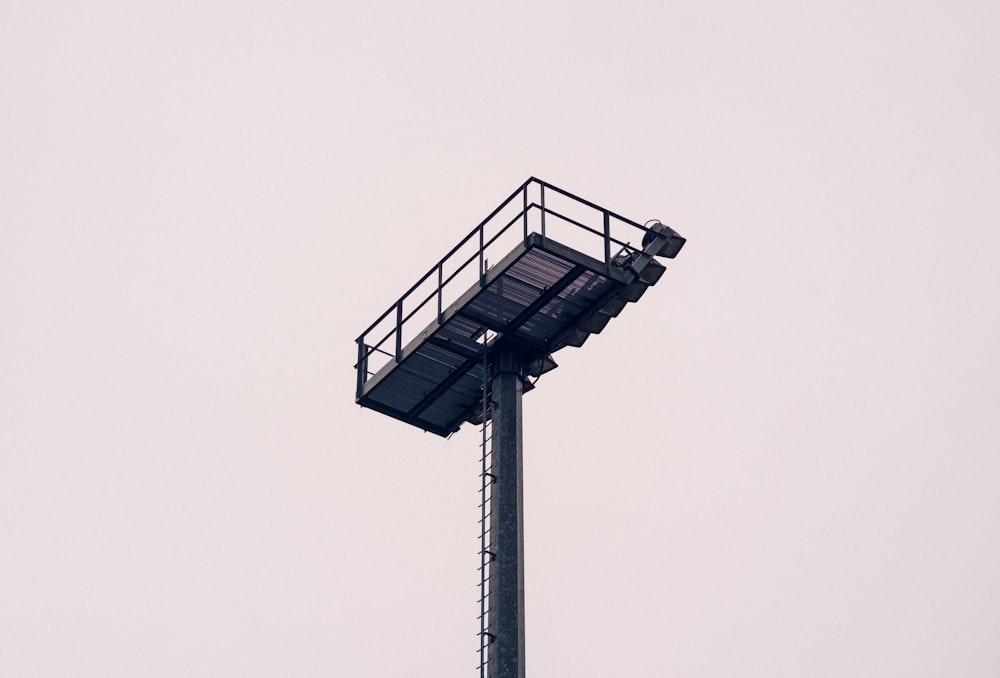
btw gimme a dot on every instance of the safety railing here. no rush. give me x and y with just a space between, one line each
536 207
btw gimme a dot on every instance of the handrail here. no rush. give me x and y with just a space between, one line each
365 349
587 203
437 292
454 249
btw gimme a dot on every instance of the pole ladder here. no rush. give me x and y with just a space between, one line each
486 555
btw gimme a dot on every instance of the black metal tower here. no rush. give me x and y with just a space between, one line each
470 337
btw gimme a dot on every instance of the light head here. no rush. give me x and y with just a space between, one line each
662 241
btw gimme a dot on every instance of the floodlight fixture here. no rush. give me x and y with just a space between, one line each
670 241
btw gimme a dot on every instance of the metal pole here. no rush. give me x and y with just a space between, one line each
506 616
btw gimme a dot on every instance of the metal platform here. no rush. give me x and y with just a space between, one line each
542 295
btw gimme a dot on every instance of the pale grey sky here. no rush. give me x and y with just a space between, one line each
783 462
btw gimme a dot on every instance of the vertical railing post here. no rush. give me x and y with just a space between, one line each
440 285
482 261
525 212
542 201
362 365
399 330
607 243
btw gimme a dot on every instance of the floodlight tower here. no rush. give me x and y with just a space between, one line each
471 337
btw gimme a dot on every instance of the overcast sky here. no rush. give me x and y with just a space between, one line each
783 462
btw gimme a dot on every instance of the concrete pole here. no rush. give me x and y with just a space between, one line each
506 589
